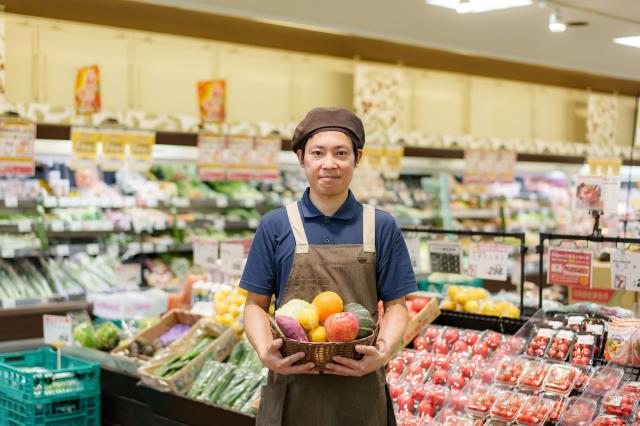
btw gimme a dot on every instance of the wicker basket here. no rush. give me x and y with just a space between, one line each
321 353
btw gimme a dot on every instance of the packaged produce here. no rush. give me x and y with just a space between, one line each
439 376
562 341
539 342
416 373
558 404
511 345
584 349
605 378
578 412
535 411
481 400
608 420
597 327
558 321
436 395
492 339
534 376
180 361
620 404
440 346
510 369
618 346
560 379
584 374
507 405
632 387
575 322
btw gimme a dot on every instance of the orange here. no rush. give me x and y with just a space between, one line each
328 303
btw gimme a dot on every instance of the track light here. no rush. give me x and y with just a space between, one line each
464 6
555 23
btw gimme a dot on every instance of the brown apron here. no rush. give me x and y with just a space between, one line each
327 400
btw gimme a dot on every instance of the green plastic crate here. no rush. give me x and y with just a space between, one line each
34 392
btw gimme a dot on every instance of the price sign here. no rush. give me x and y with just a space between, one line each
11 201
75 226
57 226
266 160
232 257
84 143
205 252
24 226
570 267
141 149
413 245
239 160
625 270
597 193
211 156
93 249
128 275
17 138
57 328
445 257
488 261
61 250
114 144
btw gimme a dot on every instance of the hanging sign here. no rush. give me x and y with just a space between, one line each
267 165
570 267
392 161
211 156
232 258
603 167
597 193
17 137
114 144
445 257
372 157
211 101
487 167
84 146
205 252
625 270
129 276
141 150
87 90
240 158
488 261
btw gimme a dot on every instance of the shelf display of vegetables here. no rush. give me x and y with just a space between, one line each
105 337
180 361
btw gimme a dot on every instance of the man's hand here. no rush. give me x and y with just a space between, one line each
373 359
273 360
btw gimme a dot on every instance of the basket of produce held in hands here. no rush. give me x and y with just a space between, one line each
324 328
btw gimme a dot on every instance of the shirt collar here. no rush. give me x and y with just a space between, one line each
345 212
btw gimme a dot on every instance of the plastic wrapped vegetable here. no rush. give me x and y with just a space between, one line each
242 379
209 370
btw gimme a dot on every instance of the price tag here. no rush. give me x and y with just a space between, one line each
57 328
8 253
575 320
57 226
253 223
555 324
205 252
219 224
445 257
61 250
249 203
232 257
565 334
93 249
75 226
546 332
597 329
24 226
222 202
129 275
50 201
586 339
147 248
8 303
413 245
161 248
181 202
488 261
10 201
625 270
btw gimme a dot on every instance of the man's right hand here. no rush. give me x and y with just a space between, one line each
273 360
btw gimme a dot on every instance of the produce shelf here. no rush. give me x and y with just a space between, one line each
479 322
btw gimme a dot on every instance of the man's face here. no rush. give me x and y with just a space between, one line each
329 162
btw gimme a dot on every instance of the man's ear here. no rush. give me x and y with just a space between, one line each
300 160
358 156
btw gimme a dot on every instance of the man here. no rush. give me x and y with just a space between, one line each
327 241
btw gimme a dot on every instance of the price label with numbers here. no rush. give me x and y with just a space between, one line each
413 245
445 257
232 257
205 252
625 270
488 261
128 276
57 328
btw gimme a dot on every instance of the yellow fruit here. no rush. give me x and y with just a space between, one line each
272 310
318 334
221 307
219 297
452 290
448 304
472 306
227 319
309 318
235 311
242 291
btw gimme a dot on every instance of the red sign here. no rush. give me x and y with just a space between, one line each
591 295
570 267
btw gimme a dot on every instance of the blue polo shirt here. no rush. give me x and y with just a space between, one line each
271 256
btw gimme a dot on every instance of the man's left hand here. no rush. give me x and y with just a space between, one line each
373 358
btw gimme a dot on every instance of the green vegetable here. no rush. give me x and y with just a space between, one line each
107 335
86 335
179 362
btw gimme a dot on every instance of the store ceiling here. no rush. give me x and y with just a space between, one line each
519 34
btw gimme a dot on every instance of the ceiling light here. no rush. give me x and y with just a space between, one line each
555 23
477 6
633 41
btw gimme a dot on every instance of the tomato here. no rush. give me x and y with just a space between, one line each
395 390
421 343
471 337
560 379
419 303
426 408
619 404
405 402
457 381
441 347
440 376
395 365
451 334
432 333
481 349
535 411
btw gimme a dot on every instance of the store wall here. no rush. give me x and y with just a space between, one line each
158 73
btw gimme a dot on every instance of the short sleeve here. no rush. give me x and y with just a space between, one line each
395 272
259 275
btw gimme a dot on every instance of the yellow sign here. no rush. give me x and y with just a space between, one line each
114 144
392 161
603 167
84 146
141 150
87 90
372 157
211 101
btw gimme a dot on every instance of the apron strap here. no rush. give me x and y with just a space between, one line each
302 245
369 228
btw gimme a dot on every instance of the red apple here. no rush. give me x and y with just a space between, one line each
341 327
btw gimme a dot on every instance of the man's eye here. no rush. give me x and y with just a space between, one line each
316 153
343 153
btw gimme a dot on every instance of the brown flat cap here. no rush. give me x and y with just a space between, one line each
324 119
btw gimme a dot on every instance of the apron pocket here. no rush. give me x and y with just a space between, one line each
272 398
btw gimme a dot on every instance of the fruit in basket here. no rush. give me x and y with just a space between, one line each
291 329
365 320
293 308
341 327
309 318
327 303
318 334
